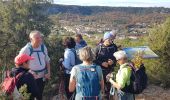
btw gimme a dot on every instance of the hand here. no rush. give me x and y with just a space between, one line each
61 60
48 76
105 64
110 62
34 74
109 76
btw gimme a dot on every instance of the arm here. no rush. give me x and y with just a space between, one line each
123 77
116 85
47 60
69 59
102 85
72 83
100 74
97 61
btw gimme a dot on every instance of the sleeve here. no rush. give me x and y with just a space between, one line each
69 59
123 77
47 58
73 73
97 61
32 86
72 58
25 50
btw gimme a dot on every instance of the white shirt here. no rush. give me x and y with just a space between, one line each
35 63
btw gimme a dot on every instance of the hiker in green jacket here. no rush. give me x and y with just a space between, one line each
122 77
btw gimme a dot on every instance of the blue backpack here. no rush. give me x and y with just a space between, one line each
77 60
88 84
37 51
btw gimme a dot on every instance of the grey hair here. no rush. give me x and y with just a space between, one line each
86 54
33 33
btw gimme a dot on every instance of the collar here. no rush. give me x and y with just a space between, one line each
124 65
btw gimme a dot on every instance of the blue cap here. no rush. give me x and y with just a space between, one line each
108 35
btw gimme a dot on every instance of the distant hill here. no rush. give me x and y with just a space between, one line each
90 10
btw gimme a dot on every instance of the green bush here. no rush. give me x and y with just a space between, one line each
159 41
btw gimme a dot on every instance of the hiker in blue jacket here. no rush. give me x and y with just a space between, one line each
80 42
105 58
87 77
69 61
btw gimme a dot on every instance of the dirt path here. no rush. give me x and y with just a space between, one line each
154 93
151 93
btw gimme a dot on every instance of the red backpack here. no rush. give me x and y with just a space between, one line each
9 83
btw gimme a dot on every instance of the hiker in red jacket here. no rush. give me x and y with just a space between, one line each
22 66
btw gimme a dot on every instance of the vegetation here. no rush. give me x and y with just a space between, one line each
159 41
24 92
19 17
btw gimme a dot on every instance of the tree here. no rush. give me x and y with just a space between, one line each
160 43
17 19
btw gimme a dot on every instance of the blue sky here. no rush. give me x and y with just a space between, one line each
134 3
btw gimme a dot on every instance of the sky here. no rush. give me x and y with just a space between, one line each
116 3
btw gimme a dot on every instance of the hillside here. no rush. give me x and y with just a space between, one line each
91 10
98 19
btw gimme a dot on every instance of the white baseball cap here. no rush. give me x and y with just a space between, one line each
120 54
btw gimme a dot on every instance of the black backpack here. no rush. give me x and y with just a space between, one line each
138 81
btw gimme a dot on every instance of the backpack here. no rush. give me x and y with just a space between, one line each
87 80
9 83
138 81
37 51
77 60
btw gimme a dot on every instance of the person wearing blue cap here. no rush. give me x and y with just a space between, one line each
105 58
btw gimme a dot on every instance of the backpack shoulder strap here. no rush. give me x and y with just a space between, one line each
17 77
30 48
74 51
100 48
42 48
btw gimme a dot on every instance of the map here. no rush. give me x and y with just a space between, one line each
145 50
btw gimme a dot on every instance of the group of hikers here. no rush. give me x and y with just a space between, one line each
87 71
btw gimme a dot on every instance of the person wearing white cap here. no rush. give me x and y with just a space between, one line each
105 58
122 77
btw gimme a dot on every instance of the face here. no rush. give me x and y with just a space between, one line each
26 65
108 42
77 39
121 61
36 39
